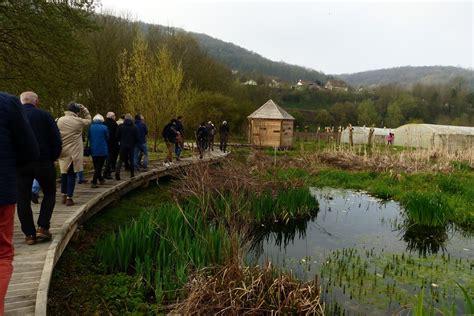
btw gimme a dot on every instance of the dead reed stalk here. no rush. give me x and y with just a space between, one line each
237 290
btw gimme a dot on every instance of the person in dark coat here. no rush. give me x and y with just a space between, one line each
179 146
112 145
50 145
98 136
127 135
141 147
201 139
169 135
224 135
18 147
211 131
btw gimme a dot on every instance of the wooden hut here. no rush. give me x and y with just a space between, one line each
271 126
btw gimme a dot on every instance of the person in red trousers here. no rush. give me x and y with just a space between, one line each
18 146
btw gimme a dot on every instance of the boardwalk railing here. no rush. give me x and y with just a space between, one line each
33 265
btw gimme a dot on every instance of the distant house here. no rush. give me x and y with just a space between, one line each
336 85
274 84
305 84
271 126
250 82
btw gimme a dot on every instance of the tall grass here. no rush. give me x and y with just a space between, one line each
163 245
427 209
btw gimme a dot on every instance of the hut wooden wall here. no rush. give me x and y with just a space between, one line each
286 133
271 133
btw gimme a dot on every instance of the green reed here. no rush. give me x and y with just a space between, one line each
427 209
163 245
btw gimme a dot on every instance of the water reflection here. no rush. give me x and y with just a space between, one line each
282 234
425 240
352 219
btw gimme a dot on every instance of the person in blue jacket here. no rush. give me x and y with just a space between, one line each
98 136
141 146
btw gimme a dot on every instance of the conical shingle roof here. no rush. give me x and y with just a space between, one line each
271 110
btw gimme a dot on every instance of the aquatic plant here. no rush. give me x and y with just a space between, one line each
426 208
162 246
385 280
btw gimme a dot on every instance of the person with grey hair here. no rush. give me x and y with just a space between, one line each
98 135
224 135
71 160
43 170
127 136
112 145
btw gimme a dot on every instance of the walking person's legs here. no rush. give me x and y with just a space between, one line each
144 149
70 185
131 161
122 158
100 166
94 177
136 158
111 163
25 176
46 175
7 215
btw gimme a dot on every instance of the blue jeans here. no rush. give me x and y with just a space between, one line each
80 177
144 149
36 188
68 182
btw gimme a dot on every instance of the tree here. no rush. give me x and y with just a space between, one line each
42 48
394 116
152 85
367 113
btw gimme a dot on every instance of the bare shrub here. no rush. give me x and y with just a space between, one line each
237 290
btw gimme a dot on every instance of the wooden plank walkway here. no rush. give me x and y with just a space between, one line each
33 265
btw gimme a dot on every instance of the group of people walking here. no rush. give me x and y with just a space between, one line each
31 141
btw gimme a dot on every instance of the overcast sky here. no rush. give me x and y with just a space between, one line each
334 37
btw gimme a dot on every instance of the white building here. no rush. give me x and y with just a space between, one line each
431 136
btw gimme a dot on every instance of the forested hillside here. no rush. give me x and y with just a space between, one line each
407 76
243 60
108 63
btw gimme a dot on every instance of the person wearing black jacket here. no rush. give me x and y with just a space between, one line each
112 145
201 139
224 135
169 135
127 136
50 145
18 146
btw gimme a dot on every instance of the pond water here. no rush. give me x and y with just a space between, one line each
355 238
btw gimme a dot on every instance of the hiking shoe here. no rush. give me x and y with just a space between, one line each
117 177
69 202
30 240
83 181
34 198
43 234
63 199
94 185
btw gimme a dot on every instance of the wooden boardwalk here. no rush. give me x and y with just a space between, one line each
33 265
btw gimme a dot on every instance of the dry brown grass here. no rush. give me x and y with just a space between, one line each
236 290
388 159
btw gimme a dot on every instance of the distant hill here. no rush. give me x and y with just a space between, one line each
245 61
407 76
